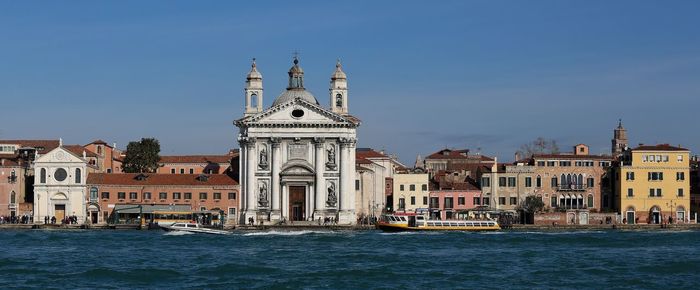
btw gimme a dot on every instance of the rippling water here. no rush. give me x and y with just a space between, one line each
370 259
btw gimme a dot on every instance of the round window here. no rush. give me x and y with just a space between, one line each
60 174
298 113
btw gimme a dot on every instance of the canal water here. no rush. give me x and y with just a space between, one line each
354 260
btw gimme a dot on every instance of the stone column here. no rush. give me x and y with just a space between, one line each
251 203
347 196
275 192
320 184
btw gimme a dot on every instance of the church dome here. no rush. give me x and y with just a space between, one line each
291 94
296 87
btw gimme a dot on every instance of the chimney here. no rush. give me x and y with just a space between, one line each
517 156
114 145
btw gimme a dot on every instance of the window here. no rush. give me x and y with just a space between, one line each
402 203
629 175
231 195
540 163
551 163
109 170
501 200
655 192
172 170
564 163
655 176
163 195
449 202
105 195
217 195
513 200
434 202
680 175
232 211
665 158
177 195
13 197
461 200
202 195
502 181
511 181
425 200
680 158
554 181
553 201
191 170
77 175
680 192
202 208
182 171
485 182
630 192
477 200
146 195
590 200
486 201
357 184
43 175
538 181
188 195
528 181
93 193
413 200
424 187
133 195
121 195
412 187
590 182
401 187
658 192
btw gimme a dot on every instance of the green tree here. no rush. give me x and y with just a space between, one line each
532 204
142 156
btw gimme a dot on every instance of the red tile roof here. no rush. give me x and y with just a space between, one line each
46 145
458 154
196 159
659 147
368 153
99 141
159 179
78 150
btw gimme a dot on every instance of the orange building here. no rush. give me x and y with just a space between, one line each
198 164
201 192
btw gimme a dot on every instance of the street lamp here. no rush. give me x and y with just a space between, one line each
672 205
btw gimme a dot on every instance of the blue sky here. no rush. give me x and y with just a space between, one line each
423 75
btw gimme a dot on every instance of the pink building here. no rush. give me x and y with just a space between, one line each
454 204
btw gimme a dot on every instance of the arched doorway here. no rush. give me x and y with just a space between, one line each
59 201
655 215
93 212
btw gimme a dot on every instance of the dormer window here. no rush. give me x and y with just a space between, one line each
203 178
141 177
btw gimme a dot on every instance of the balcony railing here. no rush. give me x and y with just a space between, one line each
571 187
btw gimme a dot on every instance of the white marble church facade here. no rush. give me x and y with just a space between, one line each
297 157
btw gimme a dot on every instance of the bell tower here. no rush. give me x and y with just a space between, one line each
339 90
619 141
253 91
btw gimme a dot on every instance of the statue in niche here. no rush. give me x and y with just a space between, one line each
262 197
263 159
330 164
332 195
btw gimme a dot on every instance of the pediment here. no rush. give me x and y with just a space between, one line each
297 167
297 112
59 155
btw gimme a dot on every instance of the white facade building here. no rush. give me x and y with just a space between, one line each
297 159
59 185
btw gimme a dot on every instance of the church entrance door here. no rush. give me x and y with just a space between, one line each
60 211
297 202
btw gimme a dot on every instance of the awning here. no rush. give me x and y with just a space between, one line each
148 208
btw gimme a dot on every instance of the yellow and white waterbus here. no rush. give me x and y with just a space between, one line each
398 222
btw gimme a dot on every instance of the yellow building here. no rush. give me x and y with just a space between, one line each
653 184
410 191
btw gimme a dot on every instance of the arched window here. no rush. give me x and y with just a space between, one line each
554 181
590 201
42 177
77 175
339 100
253 100
563 180
99 150
579 182
93 193
13 198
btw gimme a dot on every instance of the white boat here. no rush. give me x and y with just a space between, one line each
394 223
193 228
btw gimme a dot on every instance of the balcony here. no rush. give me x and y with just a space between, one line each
571 187
12 179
